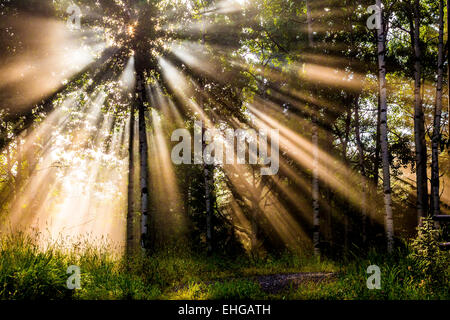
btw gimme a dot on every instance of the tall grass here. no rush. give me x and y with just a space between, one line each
402 278
28 271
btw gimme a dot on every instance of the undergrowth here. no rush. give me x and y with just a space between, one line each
418 270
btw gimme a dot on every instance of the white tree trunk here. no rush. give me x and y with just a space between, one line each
389 223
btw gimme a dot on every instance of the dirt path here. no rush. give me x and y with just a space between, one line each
277 282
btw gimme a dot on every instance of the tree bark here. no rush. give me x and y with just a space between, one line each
309 21
315 189
363 172
381 44
130 213
315 143
419 122
448 63
376 175
143 153
208 171
437 116
348 122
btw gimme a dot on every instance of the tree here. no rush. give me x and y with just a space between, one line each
130 246
143 152
419 121
381 44
315 144
363 172
437 117
208 170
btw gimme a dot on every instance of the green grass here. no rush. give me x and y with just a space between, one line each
400 280
28 272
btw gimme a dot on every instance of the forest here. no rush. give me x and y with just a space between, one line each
224 149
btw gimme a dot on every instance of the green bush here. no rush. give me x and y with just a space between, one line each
429 261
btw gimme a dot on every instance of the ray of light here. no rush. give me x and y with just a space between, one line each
180 85
166 196
49 63
78 188
331 171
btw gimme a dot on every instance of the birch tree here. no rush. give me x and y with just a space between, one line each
381 44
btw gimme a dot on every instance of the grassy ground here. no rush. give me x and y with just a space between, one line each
27 272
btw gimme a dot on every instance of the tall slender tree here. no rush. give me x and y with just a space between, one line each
143 154
437 116
315 144
348 123
208 170
381 44
363 171
419 119
130 211
448 62
208 180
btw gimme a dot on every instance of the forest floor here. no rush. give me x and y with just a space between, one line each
28 272
276 283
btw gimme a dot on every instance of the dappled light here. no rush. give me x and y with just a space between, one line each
228 128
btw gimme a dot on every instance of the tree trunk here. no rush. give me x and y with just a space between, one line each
448 63
381 44
19 157
419 122
207 174
143 152
376 175
315 188
348 123
9 169
315 143
309 21
363 173
437 116
130 213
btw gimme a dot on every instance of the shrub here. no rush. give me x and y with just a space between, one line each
428 259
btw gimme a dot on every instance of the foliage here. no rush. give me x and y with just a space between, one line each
430 261
29 272
252 54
